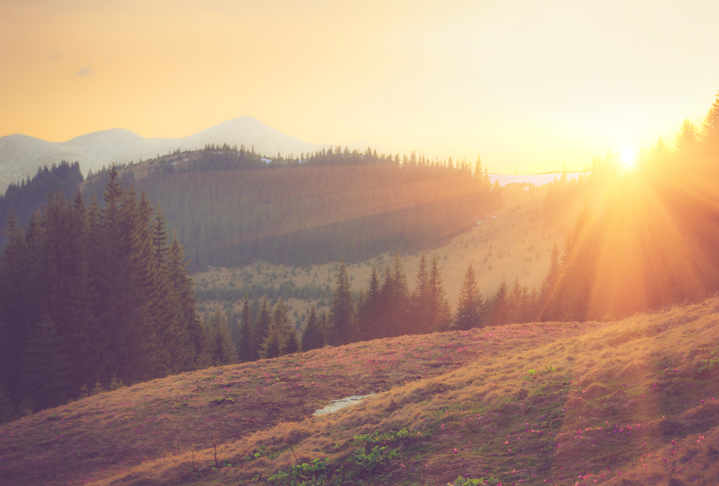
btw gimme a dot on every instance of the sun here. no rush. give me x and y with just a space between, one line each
629 155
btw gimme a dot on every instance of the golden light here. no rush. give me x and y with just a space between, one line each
629 155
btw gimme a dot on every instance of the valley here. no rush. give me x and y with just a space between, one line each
511 243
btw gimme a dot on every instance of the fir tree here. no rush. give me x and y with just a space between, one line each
312 337
46 374
325 326
272 344
190 347
7 411
285 329
368 308
246 350
222 349
262 325
499 305
14 302
438 311
342 309
710 129
469 306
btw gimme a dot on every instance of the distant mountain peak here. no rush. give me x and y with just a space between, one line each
21 155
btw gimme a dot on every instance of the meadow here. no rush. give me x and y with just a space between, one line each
629 402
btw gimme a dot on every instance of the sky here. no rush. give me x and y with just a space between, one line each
531 86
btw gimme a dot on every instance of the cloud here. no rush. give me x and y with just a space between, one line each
86 71
55 57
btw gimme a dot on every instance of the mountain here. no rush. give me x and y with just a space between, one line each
245 131
21 155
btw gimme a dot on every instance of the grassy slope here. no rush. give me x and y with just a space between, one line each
625 404
512 243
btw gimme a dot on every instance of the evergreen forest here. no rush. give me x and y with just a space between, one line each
93 297
231 206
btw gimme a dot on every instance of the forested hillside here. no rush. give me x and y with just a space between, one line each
27 196
231 206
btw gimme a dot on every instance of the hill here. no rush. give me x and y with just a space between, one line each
232 206
629 402
21 156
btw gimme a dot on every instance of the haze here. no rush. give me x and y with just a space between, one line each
531 86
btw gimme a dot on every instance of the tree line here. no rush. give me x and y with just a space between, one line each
29 194
386 308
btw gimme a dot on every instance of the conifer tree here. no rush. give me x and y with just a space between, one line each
688 138
420 299
312 337
438 311
395 301
14 325
222 348
190 333
292 344
325 326
285 329
499 305
7 411
46 374
342 309
246 349
368 309
469 306
272 344
710 129
262 325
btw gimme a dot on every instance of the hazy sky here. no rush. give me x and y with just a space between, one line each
529 85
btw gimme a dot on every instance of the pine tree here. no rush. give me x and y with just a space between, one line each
368 308
222 349
193 349
312 337
246 350
438 311
14 302
498 306
292 345
400 301
549 294
420 299
469 307
46 374
272 344
262 325
342 309
285 329
7 411
688 138
325 326
710 128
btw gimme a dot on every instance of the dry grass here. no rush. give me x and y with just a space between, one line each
162 420
608 403
511 243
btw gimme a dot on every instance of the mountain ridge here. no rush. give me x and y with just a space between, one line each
22 155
